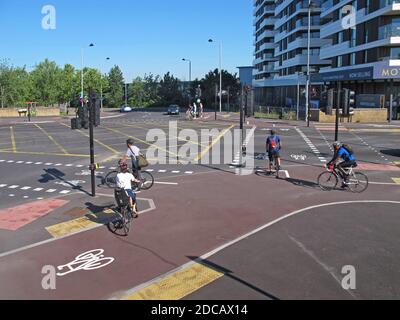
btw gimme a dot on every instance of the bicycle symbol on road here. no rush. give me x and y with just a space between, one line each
87 261
299 157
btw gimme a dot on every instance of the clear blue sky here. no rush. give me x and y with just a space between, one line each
140 36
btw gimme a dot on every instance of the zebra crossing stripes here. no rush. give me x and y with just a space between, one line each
32 190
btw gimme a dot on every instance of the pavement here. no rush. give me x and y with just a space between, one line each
205 232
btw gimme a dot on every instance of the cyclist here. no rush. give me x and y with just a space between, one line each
124 181
133 153
349 160
273 148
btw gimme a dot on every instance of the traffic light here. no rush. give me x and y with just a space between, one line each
349 101
352 102
95 109
330 100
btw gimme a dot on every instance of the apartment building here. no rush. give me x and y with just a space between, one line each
354 42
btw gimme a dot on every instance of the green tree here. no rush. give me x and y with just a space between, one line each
46 81
15 85
137 95
151 88
115 91
69 84
169 90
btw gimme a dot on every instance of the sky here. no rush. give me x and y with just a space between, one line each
140 36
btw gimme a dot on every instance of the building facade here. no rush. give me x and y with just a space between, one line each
347 37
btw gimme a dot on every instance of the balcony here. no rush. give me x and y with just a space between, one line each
389 31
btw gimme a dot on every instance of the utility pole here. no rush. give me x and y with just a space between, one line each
338 103
92 107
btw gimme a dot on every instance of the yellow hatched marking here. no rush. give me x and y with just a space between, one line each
206 150
143 141
179 139
14 145
97 141
396 180
73 226
52 139
178 285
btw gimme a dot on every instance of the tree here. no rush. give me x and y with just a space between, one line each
46 81
169 90
114 95
151 88
211 81
69 84
15 85
137 95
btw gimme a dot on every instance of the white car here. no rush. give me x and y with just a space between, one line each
126 108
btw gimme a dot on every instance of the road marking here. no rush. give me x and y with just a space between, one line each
51 190
162 171
311 145
38 189
396 180
3 185
14 145
2 160
189 172
176 171
13 187
26 188
65 191
178 284
48 164
97 141
37 163
52 139
47 154
10 161
166 183
206 256
216 140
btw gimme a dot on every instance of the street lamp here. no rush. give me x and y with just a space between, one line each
101 88
220 73
311 5
82 61
190 76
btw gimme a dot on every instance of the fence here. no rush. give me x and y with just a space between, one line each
278 113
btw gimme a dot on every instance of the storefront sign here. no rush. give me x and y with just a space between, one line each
344 75
383 70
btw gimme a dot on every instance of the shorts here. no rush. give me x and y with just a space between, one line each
273 154
130 194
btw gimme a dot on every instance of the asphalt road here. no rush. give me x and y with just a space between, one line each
206 232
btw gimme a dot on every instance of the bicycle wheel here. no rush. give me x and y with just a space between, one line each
147 180
358 182
127 220
327 181
111 179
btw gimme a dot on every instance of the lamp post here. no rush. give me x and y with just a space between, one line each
310 6
190 76
101 89
82 65
220 73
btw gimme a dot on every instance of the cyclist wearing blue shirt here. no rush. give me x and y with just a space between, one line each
273 148
341 153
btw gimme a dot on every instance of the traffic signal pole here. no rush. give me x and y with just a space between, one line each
92 107
339 88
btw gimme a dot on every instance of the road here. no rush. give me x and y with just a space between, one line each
205 232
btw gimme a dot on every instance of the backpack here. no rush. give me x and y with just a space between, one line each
348 149
273 143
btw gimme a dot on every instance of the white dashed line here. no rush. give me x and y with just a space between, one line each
38 189
3 185
13 187
65 191
51 190
25 188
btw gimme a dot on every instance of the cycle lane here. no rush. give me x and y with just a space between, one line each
183 225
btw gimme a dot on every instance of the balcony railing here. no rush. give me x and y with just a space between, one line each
388 31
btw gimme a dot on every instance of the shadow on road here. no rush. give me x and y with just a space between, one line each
391 152
230 274
55 174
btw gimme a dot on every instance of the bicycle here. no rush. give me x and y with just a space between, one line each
275 165
125 214
190 114
146 178
357 181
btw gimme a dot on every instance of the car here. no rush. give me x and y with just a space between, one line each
126 108
173 110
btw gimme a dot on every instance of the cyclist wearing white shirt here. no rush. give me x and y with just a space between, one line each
124 181
133 153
